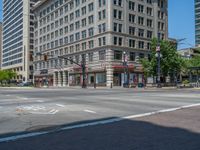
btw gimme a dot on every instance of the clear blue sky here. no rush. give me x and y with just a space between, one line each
181 20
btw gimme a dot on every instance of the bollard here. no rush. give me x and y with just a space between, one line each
111 86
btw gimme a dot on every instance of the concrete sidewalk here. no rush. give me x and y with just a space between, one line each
122 88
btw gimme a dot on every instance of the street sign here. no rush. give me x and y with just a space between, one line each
44 71
157 48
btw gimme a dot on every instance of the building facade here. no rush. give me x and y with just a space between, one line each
18 31
105 33
197 22
189 53
0 43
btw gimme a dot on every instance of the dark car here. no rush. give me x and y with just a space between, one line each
25 84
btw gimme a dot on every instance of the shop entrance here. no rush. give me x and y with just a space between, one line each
92 79
117 79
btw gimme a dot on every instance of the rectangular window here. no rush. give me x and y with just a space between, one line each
117 55
131 43
102 55
132 56
90 57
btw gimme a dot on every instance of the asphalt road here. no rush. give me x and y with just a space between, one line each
177 130
30 110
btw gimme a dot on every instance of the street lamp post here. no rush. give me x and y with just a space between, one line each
158 62
125 66
158 70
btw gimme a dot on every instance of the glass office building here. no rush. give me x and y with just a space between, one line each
197 22
18 34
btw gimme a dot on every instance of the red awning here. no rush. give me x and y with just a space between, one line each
121 67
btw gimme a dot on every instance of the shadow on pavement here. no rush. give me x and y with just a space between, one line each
123 135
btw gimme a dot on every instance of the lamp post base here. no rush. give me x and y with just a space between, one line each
159 85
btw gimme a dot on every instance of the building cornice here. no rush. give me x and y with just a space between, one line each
39 3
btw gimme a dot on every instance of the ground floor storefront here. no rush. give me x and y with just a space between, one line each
129 76
42 81
115 75
92 79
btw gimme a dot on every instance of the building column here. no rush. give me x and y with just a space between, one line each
54 79
109 76
59 79
64 78
68 78
109 68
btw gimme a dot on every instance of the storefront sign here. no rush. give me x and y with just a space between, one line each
157 48
121 66
45 71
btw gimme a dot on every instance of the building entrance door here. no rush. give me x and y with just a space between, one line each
117 79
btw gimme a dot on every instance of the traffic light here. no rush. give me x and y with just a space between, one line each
45 57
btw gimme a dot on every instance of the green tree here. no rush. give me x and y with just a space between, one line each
194 62
6 75
171 62
11 74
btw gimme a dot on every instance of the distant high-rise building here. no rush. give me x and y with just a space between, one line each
18 31
105 33
197 22
0 43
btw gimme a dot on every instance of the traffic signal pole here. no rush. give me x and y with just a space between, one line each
82 65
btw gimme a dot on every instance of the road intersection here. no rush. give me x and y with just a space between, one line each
33 111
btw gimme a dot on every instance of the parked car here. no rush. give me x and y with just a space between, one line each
25 84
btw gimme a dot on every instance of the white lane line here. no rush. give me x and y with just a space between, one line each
13 138
90 111
23 98
53 111
60 105
28 135
7 95
40 101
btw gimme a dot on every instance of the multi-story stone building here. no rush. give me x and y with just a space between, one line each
106 33
197 22
18 31
189 52
0 43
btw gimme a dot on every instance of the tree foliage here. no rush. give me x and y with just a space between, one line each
194 62
170 62
6 75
